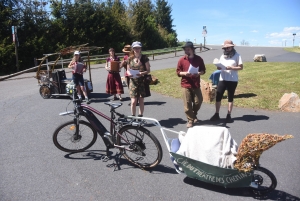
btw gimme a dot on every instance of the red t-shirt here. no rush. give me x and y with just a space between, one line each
183 66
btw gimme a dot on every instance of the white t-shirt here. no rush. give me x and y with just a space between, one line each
230 75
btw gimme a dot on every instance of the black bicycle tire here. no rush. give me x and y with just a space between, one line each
151 136
42 94
59 146
273 185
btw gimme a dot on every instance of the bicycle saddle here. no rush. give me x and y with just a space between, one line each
114 105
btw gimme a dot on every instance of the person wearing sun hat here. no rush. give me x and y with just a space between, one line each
189 68
78 68
126 50
228 80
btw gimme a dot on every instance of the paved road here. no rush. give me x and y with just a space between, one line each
32 168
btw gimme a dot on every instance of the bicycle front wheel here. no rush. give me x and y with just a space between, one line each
65 137
139 146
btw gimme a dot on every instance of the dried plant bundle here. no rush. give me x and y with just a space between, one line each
252 146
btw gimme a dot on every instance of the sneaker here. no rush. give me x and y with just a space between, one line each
189 124
228 119
215 117
88 101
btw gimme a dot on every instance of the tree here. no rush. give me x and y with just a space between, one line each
163 15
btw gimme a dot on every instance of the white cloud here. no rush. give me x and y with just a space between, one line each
287 32
254 31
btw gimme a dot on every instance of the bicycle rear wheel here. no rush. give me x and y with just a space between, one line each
65 137
265 180
141 147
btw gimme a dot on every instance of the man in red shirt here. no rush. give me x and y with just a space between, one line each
189 68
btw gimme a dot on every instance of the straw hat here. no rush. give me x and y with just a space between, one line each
228 43
126 48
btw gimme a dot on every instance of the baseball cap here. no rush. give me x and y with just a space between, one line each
76 52
136 44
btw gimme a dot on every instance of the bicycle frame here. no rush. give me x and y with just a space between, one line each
87 112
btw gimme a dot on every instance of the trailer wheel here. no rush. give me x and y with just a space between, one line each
45 92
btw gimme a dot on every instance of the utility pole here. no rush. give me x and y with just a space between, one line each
204 32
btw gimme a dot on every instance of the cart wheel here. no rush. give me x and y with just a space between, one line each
265 180
45 91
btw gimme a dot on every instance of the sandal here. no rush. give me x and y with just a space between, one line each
120 98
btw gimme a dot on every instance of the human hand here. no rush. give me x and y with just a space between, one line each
219 68
187 74
84 70
228 68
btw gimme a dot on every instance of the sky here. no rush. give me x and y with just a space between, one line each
260 23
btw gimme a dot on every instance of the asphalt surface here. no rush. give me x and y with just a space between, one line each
32 168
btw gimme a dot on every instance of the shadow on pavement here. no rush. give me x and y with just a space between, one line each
171 122
243 192
250 118
154 103
111 161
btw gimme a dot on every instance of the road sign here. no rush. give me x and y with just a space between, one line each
204 32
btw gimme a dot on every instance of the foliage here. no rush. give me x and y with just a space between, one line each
50 25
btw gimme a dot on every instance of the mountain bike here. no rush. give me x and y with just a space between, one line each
136 143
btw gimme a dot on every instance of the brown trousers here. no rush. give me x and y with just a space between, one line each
192 100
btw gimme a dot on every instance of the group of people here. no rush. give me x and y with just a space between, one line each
190 67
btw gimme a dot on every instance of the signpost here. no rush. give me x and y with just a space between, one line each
16 42
204 32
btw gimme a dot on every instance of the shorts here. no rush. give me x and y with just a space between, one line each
78 79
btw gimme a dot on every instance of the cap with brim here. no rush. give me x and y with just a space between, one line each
76 53
228 43
136 44
126 48
189 44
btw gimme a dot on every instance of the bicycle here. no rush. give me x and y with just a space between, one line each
136 143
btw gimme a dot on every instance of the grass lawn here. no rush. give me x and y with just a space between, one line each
261 84
293 49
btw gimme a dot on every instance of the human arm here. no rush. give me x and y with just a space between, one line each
239 66
71 64
179 70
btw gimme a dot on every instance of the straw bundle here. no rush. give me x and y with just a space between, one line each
252 146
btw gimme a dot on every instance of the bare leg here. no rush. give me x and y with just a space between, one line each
133 105
84 91
218 105
78 90
230 106
141 104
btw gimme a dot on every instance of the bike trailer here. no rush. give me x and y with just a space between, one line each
228 178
